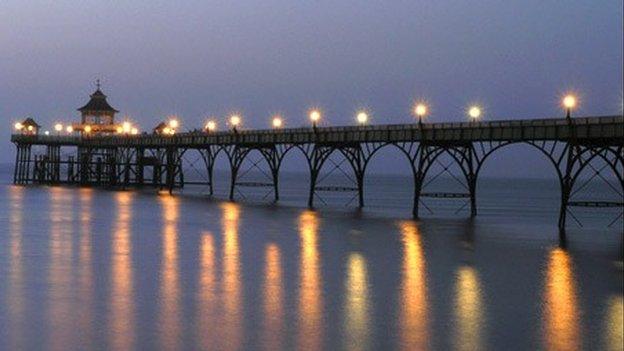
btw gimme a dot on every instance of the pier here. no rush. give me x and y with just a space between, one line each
572 145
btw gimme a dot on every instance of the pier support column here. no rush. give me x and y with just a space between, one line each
53 164
209 155
23 161
566 183
22 164
236 156
417 191
173 168
274 156
471 178
316 159
358 160
140 167
70 169
84 155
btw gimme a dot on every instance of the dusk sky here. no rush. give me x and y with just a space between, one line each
208 58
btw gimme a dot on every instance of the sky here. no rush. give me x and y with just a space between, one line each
200 59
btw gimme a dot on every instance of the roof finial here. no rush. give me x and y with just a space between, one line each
97 83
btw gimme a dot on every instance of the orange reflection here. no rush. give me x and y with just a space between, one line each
614 324
60 282
15 295
170 328
85 273
273 300
122 318
414 313
357 317
231 332
469 320
310 333
561 320
206 331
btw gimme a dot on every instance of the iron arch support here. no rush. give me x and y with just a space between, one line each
316 158
236 156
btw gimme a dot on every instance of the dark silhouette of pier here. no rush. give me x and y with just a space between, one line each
571 146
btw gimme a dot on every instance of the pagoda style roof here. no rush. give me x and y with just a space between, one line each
97 103
30 122
159 128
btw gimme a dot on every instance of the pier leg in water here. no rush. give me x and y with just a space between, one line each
140 167
171 168
316 158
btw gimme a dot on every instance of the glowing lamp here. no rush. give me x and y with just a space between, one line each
362 117
30 128
420 110
277 122
235 120
134 131
69 129
211 126
18 126
119 130
474 112
315 116
87 129
126 127
46 132
174 124
58 127
569 101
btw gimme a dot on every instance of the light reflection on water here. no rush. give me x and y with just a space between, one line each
85 266
231 277
169 315
207 294
614 324
469 310
357 318
414 312
122 319
561 316
231 328
60 292
15 297
272 338
310 332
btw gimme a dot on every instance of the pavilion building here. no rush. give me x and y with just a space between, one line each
97 116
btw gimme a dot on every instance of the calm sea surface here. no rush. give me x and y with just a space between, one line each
95 269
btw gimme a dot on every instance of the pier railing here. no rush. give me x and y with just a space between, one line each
509 130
